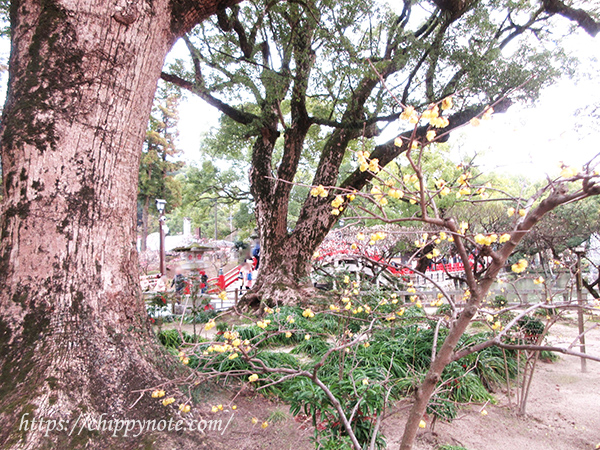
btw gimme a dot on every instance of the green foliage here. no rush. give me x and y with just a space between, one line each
499 302
171 339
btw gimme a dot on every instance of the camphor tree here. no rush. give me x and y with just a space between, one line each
74 334
279 70
349 387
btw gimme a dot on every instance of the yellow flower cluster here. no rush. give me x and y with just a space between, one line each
184 408
447 103
210 325
439 122
431 113
539 280
410 115
519 266
308 313
168 401
379 236
568 172
504 238
158 393
263 323
223 295
252 378
183 358
319 191
487 239
433 254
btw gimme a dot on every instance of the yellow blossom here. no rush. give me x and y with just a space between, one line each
430 135
288 334
184 408
409 114
168 401
510 212
252 378
254 420
400 311
351 197
234 407
233 356
337 201
185 360
496 325
374 165
290 319
447 103
487 114
319 191
365 381
538 280
210 325
354 246
431 113
334 308
522 212
439 122
418 304
484 412
422 424
475 122
445 191
568 172
307 337
158 393
264 425
308 313
236 342
364 167
360 237
398 142
366 345
504 238
519 266
396 193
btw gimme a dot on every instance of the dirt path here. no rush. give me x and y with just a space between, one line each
563 411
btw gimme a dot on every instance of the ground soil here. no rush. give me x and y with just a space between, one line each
563 413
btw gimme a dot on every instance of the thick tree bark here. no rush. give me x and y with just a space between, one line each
74 336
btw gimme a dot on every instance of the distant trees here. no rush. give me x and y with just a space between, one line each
157 164
282 73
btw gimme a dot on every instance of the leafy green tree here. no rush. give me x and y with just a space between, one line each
320 67
157 165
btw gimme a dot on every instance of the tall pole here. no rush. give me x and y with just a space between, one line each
160 207
161 221
580 314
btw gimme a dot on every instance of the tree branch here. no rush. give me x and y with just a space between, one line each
583 18
235 114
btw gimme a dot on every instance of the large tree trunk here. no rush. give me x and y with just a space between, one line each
74 336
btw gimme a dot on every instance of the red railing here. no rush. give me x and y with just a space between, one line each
222 282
